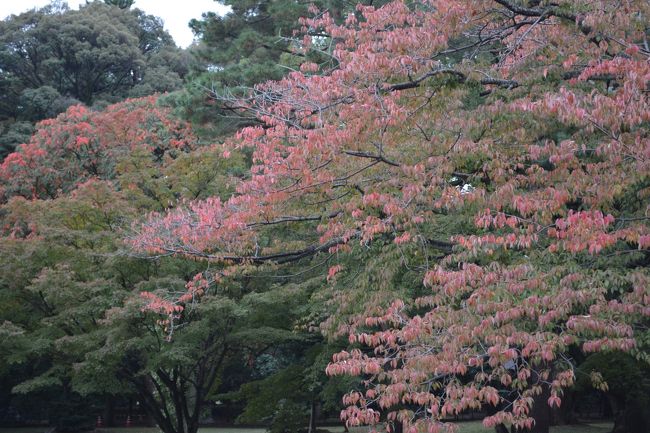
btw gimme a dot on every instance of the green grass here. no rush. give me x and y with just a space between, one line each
464 427
24 430
477 427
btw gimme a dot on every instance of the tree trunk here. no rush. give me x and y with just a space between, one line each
540 412
619 416
312 417
630 414
399 426
192 427
566 413
109 411
491 410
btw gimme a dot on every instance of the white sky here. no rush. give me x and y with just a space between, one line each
176 14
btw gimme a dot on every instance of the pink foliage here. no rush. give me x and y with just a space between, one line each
81 144
377 146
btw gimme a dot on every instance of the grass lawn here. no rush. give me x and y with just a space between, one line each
477 427
464 427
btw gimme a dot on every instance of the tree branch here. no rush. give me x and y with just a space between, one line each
291 256
370 156
287 257
416 82
290 218
551 11
509 84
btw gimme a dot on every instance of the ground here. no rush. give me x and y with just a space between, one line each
464 427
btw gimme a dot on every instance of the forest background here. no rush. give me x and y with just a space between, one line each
405 211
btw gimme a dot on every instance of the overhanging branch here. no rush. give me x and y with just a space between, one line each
292 256
291 218
550 11
370 156
508 84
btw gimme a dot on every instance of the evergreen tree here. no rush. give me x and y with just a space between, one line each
122 4
55 57
255 42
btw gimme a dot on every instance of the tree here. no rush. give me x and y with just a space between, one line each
501 149
13 134
253 43
285 385
54 57
249 41
122 4
64 269
56 289
304 389
627 386
86 317
170 378
81 144
81 323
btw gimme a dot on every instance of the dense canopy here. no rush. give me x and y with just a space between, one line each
55 57
442 205
502 148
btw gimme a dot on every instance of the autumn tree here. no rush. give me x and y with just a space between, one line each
85 316
253 43
81 144
496 149
55 57
74 326
79 321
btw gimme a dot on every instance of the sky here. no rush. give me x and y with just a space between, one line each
176 14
